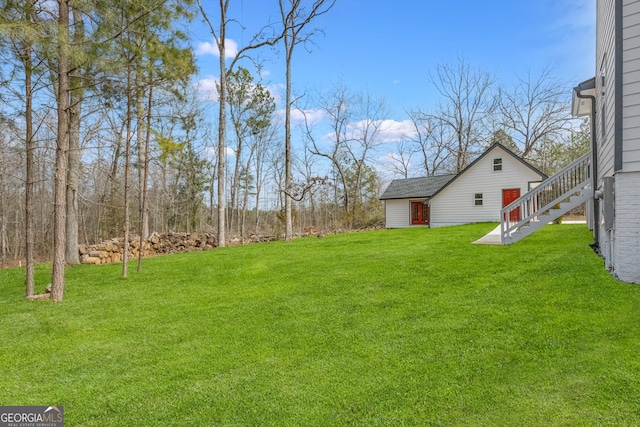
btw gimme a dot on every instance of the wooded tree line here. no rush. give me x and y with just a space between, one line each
532 117
103 132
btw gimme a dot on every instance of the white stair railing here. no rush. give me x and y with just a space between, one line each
551 192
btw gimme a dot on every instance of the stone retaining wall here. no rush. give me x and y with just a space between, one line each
171 243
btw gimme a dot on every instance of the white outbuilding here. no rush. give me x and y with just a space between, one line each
476 194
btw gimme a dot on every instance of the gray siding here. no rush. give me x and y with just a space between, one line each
605 60
605 106
631 86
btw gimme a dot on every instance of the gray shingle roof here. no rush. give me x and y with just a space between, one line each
415 187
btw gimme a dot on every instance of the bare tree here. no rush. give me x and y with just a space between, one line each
400 161
308 168
356 121
265 145
535 110
25 49
435 141
468 102
335 107
371 112
295 17
219 34
10 180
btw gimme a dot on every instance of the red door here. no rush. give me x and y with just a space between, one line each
509 196
419 213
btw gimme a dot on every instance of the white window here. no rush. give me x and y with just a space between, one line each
497 165
477 199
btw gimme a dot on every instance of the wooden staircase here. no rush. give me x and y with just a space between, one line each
548 201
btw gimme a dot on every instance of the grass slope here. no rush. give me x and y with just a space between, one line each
393 327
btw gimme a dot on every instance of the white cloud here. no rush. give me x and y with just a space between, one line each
207 88
208 48
393 131
276 91
389 131
211 153
298 115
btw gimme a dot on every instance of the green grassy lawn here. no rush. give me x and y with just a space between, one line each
389 328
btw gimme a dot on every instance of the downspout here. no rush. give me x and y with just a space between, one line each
594 169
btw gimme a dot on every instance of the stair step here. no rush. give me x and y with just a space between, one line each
578 194
541 220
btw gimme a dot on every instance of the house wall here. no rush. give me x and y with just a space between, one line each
605 109
398 213
620 246
631 86
605 99
455 204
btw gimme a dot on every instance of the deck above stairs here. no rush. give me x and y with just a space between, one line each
547 202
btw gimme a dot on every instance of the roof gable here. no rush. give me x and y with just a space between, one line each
429 186
493 147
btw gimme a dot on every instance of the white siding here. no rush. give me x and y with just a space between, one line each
605 106
398 213
631 89
626 248
605 60
455 204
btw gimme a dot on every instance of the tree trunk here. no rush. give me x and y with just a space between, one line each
127 161
288 231
75 110
3 228
212 212
73 173
142 150
234 204
144 212
245 196
30 146
112 206
258 191
222 126
62 151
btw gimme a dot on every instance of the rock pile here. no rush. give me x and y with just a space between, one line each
171 243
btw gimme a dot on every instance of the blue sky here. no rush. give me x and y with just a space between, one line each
389 48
